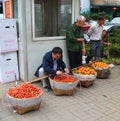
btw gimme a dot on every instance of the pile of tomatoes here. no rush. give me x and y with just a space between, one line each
64 78
24 91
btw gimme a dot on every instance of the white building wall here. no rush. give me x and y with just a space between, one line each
38 49
30 51
22 53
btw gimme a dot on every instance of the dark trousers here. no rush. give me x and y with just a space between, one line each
75 59
95 51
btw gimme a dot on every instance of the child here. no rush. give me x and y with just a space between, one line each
106 44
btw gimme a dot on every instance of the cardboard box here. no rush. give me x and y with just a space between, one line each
8 35
8 67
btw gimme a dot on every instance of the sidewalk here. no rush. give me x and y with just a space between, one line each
100 102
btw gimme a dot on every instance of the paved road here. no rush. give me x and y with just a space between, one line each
100 102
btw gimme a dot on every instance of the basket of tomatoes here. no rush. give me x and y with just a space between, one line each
24 98
86 75
102 69
63 85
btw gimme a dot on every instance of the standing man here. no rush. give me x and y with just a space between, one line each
95 34
75 42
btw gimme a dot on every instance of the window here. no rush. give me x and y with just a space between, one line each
51 17
15 8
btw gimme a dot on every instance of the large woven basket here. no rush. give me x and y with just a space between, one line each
87 83
22 110
60 88
85 80
103 73
59 92
25 104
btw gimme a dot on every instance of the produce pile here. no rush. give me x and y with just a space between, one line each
84 71
64 78
102 69
24 91
99 65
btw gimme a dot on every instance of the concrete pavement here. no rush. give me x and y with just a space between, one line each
100 102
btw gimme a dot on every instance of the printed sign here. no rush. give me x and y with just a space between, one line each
7 9
85 6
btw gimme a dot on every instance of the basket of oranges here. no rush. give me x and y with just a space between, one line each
102 69
86 75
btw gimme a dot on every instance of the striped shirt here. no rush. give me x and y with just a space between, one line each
95 32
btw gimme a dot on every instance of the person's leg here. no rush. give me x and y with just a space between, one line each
75 59
92 51
78 59
44 81
98 51
72 59
48 83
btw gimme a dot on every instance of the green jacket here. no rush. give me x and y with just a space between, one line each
73 32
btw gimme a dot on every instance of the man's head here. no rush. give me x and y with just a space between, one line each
101 20
80 21
56 53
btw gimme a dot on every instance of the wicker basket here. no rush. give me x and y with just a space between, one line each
22 110
86 80
60 88
103 73
59 92
24 105
87 83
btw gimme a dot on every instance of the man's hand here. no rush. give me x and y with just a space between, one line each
59 73
108 43
66 70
